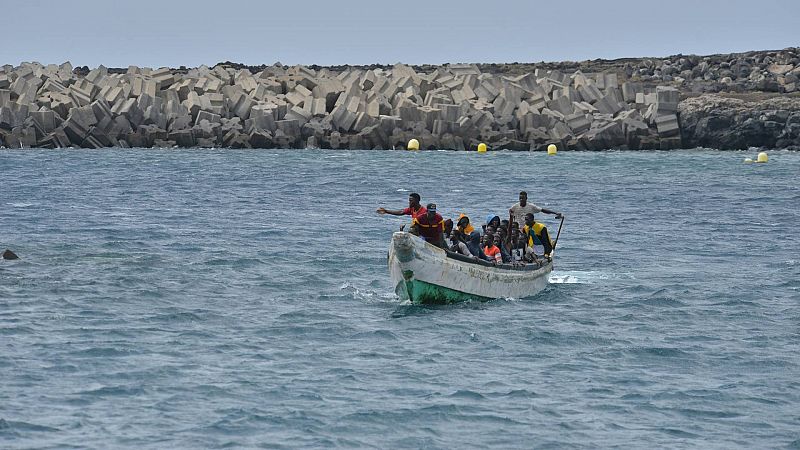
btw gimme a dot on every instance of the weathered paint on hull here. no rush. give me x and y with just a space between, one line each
423 273
422 293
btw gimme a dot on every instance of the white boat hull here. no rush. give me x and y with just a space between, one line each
423 273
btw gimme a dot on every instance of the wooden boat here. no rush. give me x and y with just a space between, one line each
426 274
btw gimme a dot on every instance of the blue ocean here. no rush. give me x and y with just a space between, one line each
241 299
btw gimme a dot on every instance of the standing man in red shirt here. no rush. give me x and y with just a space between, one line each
430 226
414 208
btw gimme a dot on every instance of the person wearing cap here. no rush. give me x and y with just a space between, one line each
519 210
429 226
414 208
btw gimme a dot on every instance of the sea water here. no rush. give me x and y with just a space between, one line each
240 298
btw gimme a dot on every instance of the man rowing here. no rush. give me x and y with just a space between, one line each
538 237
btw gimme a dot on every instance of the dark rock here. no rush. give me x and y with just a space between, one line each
76 130
374 136
164 143
357 143
768 85
261 139
57 139
183 137
235 139
137 140
283 141
290 129
753 133
91 142
8 254
206 130
606 137
713 124
780 116
121 126
206 143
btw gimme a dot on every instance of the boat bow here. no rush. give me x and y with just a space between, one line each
424 273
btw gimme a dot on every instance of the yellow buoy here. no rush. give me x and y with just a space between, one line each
762 157
481 148
552 149
413 144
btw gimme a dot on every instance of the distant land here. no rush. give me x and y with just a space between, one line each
725 101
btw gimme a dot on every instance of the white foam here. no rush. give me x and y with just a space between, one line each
369 295
579 277
21 205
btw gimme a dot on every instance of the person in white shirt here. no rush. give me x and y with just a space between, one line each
519 210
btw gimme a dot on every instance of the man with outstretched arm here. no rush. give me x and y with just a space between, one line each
414 208
519 210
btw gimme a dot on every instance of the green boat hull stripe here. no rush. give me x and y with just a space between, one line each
422 293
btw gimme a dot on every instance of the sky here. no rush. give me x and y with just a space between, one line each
157 33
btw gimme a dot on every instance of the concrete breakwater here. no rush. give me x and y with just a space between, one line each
724 101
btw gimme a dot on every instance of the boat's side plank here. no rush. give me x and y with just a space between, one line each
431 266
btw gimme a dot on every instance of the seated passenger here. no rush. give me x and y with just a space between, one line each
504 225
517 246
487 238
493 251
492 221
457 244
464 226
504 244
518 243
474 246
538 238
448 228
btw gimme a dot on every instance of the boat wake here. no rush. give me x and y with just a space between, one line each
580 277
368 295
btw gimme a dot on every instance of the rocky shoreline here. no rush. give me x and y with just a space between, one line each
732 101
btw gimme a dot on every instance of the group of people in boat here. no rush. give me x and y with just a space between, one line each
517 240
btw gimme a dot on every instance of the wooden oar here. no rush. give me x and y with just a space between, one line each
559 232
510 228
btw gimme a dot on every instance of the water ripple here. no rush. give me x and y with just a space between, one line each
226 298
